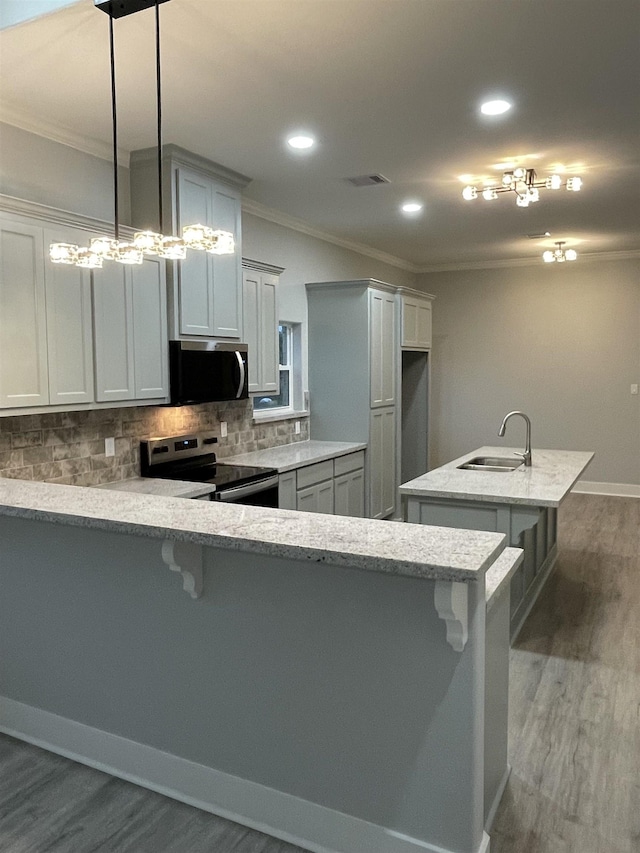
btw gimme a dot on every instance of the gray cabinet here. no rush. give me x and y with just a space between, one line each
348 485
205 290
415 318
260 325
352 377
45 320
131 332
335 486
382 347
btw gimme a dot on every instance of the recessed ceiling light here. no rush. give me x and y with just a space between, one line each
495 108
301 141
412 207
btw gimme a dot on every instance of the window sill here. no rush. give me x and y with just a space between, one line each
273 415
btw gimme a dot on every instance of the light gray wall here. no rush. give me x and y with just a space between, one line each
47 172
562 343
306 258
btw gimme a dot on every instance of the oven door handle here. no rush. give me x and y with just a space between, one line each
237 492
242 375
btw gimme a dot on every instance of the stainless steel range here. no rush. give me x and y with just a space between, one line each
192 458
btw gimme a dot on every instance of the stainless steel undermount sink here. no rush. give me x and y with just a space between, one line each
492 463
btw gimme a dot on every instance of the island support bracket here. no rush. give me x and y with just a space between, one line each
452 604
186 558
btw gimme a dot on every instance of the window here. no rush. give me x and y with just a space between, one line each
287 333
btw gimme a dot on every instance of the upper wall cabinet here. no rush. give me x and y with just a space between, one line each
205 290
260 312
415 318
45 320
131 332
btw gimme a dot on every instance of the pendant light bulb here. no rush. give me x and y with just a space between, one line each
197 236
88 260
553 182
173 249
149 242
469 193
128 254
571 254
104 247
574 184
223 243
522 201
489 193
548 257
63 253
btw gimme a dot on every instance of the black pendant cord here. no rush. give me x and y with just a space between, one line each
159 108
114 120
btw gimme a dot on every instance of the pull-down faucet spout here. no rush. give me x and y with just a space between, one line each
527 451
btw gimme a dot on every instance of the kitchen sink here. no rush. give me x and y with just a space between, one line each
491 463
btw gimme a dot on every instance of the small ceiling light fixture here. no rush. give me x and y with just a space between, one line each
300 142
495 108
144 242
524 183
412 207
559 254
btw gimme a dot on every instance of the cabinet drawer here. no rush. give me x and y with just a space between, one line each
314 474
350 462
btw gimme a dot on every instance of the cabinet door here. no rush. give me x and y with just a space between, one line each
382 345
150 347
287 491
416 323
23 334
227 279
195 273
318 498
113 333
269 356
69 328
349 494
381 456
251 326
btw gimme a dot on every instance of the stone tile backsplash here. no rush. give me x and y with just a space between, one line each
68 447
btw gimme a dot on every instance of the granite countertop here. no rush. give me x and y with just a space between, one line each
545 483
287 457
412 550
160 487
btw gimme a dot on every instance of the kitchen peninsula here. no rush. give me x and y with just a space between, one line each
521 503
318 677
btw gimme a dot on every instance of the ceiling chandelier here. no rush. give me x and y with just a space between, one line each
200 237
524 184
559 254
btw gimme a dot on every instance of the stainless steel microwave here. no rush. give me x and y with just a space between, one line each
207 372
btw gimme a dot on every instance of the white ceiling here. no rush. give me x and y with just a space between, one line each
387 86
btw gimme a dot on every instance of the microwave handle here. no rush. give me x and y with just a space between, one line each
242 375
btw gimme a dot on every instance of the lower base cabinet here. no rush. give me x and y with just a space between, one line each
335 487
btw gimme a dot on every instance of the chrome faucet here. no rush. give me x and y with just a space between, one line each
527 451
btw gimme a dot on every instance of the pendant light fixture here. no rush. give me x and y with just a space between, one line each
524 184
559 254
144 242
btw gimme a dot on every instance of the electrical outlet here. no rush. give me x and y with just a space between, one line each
297 428
223 429
109 447
634 389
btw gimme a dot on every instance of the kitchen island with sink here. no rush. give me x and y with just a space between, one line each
320 678
507 497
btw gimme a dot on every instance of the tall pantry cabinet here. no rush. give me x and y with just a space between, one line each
352 377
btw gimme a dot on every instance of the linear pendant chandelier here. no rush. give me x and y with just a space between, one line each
199 237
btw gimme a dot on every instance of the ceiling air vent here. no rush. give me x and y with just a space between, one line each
368 180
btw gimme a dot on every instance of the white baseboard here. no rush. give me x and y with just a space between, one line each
619 490
297 821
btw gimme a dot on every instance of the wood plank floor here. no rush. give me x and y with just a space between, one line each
574 731
575 693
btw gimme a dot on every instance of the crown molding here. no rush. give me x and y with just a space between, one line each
57 133
584 257
278 218
57 216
